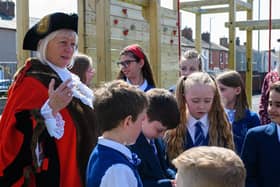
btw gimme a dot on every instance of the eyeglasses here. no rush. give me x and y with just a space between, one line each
125 64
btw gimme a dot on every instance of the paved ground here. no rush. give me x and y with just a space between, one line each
255 103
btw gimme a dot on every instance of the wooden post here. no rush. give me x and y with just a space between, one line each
198 32
152 14
22 16
249 58
81 25
232 45
103 40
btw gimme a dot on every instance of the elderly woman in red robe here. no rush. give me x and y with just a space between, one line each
47 128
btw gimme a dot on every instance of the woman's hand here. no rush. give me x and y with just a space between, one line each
61 97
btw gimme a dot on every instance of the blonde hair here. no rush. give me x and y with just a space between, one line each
219 128
42 45
209 166
192 54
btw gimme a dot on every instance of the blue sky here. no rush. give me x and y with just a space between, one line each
39 8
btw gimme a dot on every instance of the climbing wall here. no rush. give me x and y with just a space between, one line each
128 26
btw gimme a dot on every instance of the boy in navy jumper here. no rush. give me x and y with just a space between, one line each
120 110
162 114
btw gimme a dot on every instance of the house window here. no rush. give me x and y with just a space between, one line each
221 58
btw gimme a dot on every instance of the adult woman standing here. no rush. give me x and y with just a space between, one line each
135 68
47 130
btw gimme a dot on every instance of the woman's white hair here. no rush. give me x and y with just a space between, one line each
43 43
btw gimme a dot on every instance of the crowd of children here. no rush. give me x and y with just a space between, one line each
127 132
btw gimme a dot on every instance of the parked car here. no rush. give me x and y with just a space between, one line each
4 86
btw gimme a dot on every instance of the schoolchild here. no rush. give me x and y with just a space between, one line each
135 68
236 105
269 78
189 62
202 118
162 114
261 151
83 67
120 110
209 166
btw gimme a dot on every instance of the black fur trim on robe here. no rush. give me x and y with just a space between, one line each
22 164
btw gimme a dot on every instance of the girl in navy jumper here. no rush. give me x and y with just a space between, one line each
234 98
120 110
202 117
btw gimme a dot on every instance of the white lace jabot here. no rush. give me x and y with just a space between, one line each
55 124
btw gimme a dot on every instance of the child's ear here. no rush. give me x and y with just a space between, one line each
141 62
238 90
127 121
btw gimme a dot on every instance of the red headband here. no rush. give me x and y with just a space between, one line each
136 50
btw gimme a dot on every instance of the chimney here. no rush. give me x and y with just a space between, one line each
187 33
7 9
237 41
224 42
205 37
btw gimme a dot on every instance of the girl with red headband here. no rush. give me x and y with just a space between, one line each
135 68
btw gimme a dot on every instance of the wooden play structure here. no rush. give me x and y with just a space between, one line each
231 7
107 26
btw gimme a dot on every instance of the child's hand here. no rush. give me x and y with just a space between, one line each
173 183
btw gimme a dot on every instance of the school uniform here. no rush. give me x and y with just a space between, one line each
260 154
144 87
154 167
240 127
190 131
112 164
269 78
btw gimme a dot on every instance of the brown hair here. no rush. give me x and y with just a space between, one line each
233 79
115 101
209 166
192 54
219 128
275 86
163 108
81 64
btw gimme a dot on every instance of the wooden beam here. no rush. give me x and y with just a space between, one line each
175 4
22 19
249 57
152 14
81 25
198 32
257 24
245 5
190 4
103 36
232 45
203 3
142 3
211 10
